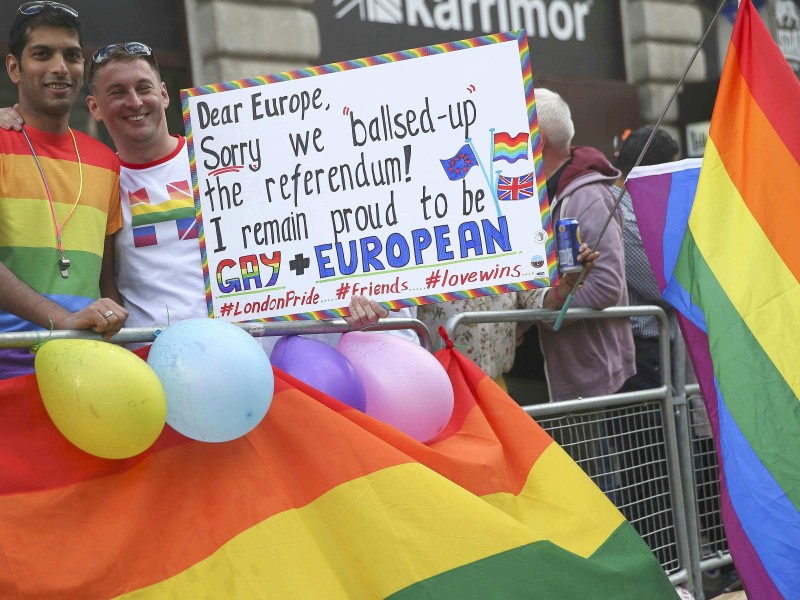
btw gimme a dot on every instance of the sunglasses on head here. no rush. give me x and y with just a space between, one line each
132 48
34 8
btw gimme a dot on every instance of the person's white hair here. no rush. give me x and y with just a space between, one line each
555 118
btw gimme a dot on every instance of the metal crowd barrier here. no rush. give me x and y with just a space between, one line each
647 450
272 328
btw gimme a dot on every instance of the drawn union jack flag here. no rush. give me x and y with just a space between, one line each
515 188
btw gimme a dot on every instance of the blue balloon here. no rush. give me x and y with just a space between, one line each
322 367
217 379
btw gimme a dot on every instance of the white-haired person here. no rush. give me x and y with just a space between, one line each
585 357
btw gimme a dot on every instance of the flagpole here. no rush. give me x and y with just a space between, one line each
486 177
494 187
582 275
491 148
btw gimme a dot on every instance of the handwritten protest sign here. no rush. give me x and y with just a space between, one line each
411 177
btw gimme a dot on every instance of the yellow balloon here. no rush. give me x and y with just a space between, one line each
103 398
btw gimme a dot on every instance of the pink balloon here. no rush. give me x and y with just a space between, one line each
406 386
322 367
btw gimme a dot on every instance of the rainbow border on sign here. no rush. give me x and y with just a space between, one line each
541 185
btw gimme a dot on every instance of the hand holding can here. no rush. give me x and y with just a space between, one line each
568 242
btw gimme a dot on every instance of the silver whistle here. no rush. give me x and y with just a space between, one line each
63 265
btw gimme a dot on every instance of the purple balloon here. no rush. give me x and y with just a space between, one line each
322 367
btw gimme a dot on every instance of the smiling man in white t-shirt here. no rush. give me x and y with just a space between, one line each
157 257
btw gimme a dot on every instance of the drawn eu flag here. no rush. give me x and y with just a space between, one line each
458 166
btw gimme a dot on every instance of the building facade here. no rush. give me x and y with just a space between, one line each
617 62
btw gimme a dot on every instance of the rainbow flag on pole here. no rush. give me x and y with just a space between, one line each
510 148
732 271
319 501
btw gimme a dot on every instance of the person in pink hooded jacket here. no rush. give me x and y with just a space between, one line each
586 357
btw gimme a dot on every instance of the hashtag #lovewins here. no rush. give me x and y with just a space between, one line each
477 278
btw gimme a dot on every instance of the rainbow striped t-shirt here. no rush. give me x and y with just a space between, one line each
27 230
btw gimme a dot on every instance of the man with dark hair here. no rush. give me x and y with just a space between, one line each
642 287
662 149
36 14
59 198
157 265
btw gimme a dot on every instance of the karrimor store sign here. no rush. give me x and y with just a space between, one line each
578 38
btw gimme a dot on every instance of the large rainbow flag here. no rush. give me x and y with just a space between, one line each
732 271
320 501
